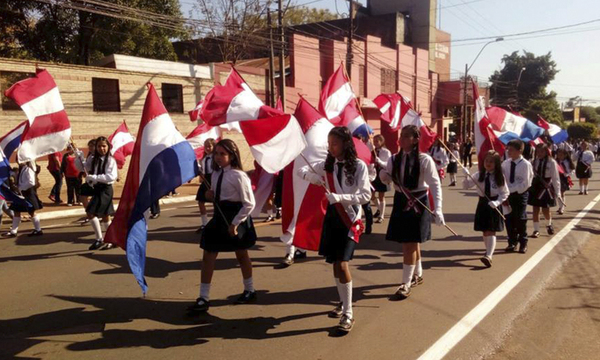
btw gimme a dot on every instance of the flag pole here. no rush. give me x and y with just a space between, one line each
214 203
314 171
472 178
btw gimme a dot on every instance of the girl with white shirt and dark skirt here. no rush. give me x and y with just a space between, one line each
493 191
545 188
566 164
102 172
231 228
347 180
206 169
382 157
413 173
27 185
583 170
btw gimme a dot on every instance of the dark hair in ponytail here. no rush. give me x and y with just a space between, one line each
349 153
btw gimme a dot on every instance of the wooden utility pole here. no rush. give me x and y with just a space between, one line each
271 62
281 56
464 109
349 54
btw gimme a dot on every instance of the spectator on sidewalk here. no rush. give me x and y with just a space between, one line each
54 168
72 176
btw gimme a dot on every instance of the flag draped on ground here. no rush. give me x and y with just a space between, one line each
485 137
161 161
200 134
398 111
122 144
48 129
557 134
11 141
304 204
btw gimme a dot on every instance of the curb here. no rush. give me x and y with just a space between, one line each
59 214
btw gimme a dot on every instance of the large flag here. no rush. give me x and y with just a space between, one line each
262 185
354 121
398 111
304 204
48 130
122 144
11 141
557 134
485 137
195 114
233 102
161 161
200 134
508 126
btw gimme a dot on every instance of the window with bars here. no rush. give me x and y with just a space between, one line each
172 97
7 79
105 95
388 81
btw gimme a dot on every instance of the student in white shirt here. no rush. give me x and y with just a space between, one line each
583 170
493 191
566 164
102 172
206 169
413 173
518 174
347 180
452 168
545 188
382 157
27 185
231 228
440 157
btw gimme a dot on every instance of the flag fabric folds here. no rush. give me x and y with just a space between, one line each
195 114
200 134
122 144
11 141
262 185
48 129
508 126
161 161
485 137
556 133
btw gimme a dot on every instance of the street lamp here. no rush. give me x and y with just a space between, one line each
467 68
518 81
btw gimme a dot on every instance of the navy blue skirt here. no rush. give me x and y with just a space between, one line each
409 225
215 236
335 243
539 195
487 218
102 201
378 185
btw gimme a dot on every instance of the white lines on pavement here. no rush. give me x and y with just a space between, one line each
451 338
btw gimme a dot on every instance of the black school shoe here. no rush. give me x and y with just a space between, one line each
35 233
486 261
535 235
299 255
550 229
403 292
246 297
200 305
511 248
9 234
336 313
523 248
377 214
96 245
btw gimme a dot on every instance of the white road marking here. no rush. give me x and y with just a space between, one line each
451 338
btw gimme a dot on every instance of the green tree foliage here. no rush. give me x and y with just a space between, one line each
521 84
590 114
54 32
583 131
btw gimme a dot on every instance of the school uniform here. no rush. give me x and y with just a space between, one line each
102 173
486 217
85 189
26 184
206 169
583 169
234 202
519 175
440 157
565 176
383 155
452 164
409 221
545 186
72 177
338 240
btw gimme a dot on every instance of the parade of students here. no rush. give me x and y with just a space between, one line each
27 184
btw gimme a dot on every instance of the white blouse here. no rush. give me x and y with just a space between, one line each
440 157
567 168
383 155
428 177
551 171
111 171
206 164
500 191
523 175
235 187
26 178
587 157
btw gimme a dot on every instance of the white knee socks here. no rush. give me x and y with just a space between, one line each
97 229
204 220
205 291
490 245
381 207
36 223
407 273
338 285
536 226
16 221
249 284
346 296
105 225
419 268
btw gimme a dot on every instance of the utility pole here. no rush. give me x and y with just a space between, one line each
349 55
281 55
271 62
464 108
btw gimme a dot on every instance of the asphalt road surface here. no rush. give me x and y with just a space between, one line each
61 301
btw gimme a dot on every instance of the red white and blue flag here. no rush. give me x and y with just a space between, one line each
485 136
398 111
195 114
122 144
161 161
12 140
557 134
200 134
48 129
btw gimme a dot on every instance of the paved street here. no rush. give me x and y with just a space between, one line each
61 301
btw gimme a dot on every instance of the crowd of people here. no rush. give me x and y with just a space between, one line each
536 175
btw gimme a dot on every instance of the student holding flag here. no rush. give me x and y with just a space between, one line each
231 229
566 168
347 180
27 184
545 188
413 174
382 157
583 170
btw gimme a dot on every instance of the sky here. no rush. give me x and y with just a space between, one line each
576 51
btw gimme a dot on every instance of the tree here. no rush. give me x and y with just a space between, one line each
583 131
547 108
590 114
